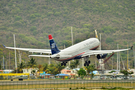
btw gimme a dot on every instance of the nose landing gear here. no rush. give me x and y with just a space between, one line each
63 63
87 61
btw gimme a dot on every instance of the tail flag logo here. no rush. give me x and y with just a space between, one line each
53 45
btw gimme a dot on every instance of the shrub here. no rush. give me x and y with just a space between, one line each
109 40
33 28
17 18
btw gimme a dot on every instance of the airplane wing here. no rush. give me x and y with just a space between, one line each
48 51
96 52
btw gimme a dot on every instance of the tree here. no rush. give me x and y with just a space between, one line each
0 66
33 71
45 66
112 71
32 63
74 64
82 72
39 67
33 28
20 67
59 67
52 69
126 72
90 68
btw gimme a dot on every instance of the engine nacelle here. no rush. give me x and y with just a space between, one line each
100 56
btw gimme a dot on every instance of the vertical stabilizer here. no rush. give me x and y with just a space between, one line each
96 34
53 46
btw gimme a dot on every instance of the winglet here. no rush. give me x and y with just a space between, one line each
131 47
96 33
4 46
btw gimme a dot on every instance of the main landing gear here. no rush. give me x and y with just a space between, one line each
87 61
63 63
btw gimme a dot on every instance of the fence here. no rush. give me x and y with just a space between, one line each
60 83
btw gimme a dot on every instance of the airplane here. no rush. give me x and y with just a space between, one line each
83 49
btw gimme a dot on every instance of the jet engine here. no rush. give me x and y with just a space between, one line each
101 56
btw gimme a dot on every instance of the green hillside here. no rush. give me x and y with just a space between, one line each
32 20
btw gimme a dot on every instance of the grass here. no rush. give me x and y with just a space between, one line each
77 85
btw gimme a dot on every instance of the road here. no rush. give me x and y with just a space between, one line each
37 82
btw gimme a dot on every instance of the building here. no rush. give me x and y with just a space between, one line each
29 70
65 71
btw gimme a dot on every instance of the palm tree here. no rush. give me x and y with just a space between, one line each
72 65
59 67
32 63
90 68
45 66
76 63
20 67
39 67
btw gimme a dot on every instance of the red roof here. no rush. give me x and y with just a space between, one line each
72 74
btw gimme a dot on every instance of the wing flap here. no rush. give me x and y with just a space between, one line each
50 56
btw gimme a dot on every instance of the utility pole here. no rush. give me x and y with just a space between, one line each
3 63
112 63
117 58
134 56
72 36
100 43
49 61
82 62
122 63
15 53
9 60
20 60
71 40
6 64
127 58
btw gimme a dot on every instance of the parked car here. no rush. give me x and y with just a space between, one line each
51 77
119 78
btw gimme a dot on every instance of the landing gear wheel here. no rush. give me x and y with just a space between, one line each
61 64
64 64
89 62
84 64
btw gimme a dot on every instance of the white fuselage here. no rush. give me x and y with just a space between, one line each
77 49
